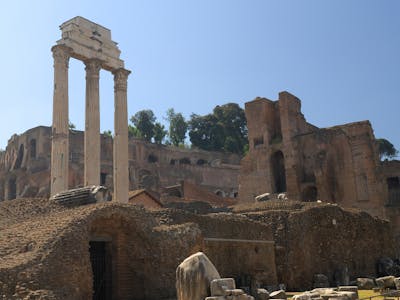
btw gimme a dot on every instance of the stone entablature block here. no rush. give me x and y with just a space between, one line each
90 40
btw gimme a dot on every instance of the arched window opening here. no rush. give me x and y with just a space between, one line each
278 172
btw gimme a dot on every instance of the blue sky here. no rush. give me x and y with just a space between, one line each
340 57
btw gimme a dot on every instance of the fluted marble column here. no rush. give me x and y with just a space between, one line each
60 129
121 164
92 124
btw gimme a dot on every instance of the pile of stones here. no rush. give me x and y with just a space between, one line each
381 283
198 279
340 293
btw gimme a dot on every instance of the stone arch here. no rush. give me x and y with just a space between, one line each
278 172
118 238
310 194
20 157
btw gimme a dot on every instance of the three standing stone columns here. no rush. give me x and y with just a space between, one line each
60 129
121 172
92 124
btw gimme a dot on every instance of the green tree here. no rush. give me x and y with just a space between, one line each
159 133
177 127
107 133
205 132
144 123
133 132
386 149
71 125
223 130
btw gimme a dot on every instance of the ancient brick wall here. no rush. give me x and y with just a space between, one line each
338 164
324 238
25 165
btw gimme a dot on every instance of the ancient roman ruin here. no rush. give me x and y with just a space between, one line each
92 44
339 164
306 208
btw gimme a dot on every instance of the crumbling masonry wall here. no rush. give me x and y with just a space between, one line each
25 164
338 164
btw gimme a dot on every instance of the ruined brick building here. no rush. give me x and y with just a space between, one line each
25 166
339 164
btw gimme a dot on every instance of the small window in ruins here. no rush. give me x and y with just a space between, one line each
20 157
103 178
393 184
152 158
12 189
235 194
32 147
258 141
201 162
172 162
184 161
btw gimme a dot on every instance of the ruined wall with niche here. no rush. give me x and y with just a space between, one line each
25 165
338 164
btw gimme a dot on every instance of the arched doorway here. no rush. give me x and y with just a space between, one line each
278 172
310 194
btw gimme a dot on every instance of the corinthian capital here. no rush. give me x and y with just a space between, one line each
61 54
93 66
120 78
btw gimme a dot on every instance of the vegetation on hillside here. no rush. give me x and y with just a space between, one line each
222 130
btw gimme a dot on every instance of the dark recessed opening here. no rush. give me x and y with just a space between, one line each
100 258
201 162
278 171
184 161
152 158
12 189
103 178
33 148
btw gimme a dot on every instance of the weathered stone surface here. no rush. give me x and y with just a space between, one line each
262 294
365 283
262 197
386 282
280 294
320 229
341 276
81 196
193 277
306 296
397 283
220 286
349 288
320 281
